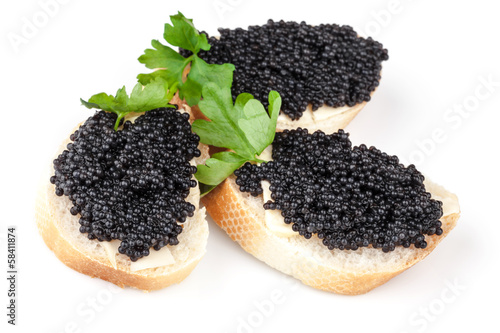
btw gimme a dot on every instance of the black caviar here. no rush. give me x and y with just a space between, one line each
350 197
324 64
130 184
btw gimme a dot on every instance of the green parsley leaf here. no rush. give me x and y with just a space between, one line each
170 65
202 73
261 125
223 129
218 167
189 39
163 57
245 128
153 95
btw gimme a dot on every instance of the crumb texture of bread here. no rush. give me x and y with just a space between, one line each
242 217
60 231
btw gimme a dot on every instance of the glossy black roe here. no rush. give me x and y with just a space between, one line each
324 64
131 184
350 197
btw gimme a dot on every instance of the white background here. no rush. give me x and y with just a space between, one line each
441 52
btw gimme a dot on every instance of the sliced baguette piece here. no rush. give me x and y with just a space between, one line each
326 118
242 217
60 231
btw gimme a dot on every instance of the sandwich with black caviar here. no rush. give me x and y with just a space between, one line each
325 74
339 218
122 203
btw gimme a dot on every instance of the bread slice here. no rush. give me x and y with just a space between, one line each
331 119
60 231
326 118
338 271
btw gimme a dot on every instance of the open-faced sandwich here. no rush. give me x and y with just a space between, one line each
122 203
339 218
325 74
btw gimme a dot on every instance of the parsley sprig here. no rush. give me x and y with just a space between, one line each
245 127
171 66
154 95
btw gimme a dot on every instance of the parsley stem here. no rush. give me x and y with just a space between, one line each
118 119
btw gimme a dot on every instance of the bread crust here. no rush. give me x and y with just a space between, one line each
71 256
48 217
242 221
